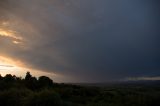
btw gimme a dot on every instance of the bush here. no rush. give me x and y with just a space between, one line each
44 98
45 82
13 97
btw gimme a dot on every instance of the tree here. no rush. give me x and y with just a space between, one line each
28 76
31 82
45 81
9 78
1 77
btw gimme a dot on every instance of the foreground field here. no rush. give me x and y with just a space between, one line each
31 91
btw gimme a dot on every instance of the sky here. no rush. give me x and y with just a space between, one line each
81 40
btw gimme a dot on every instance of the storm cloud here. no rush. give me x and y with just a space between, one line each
84 40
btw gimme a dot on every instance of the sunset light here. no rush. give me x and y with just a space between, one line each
9 66
9 33
83 41
79 52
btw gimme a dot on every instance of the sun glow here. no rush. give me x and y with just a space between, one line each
15 34
9 66
7 31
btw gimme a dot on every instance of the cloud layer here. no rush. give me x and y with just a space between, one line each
85 41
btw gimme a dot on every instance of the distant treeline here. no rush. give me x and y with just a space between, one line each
30 82
42 91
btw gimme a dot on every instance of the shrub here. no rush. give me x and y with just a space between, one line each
44 98
13 97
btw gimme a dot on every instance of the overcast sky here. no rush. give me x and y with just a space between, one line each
83 40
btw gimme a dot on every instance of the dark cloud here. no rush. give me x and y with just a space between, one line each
93 40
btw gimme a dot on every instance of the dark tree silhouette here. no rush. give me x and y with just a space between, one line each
31 82
45 81
28 76
9 78
1 77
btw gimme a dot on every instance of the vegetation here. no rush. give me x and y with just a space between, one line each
42 91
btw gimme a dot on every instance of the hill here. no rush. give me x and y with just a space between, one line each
42 91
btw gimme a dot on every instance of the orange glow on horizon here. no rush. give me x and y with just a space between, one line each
8 61
9 66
